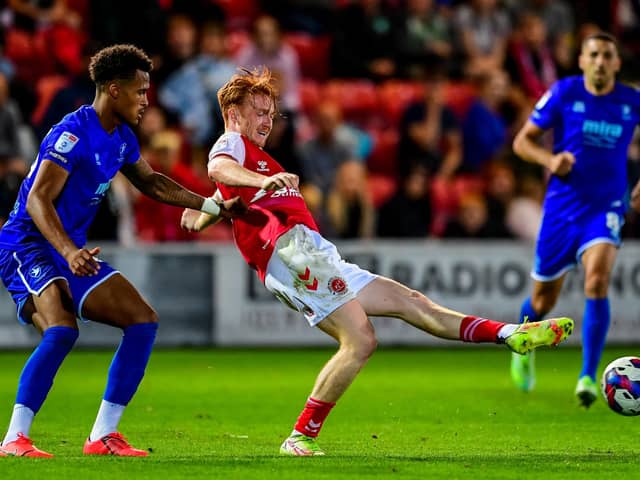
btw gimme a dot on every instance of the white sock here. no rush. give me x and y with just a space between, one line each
507 330
107 420
21 421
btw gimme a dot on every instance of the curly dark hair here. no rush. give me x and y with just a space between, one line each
118 62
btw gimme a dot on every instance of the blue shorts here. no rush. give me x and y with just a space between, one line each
561 241
30 270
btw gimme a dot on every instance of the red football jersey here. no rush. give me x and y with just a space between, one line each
271 213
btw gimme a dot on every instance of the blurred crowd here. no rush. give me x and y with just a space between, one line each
398 115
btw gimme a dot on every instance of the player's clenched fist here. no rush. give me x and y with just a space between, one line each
82 262
234 207
280 180
562 163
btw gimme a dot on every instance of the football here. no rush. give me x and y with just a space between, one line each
620 385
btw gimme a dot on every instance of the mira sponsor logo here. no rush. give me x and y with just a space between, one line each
602 128
599 133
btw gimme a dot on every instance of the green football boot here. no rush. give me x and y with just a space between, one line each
545 333
300 446
586 391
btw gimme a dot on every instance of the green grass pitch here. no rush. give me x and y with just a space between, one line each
417 413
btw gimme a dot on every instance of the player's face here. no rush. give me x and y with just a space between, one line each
131 100
599 62
255 118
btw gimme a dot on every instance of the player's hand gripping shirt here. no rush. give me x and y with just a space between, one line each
271 213
92 156
597 130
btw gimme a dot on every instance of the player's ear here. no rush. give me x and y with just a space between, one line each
233 114
113 89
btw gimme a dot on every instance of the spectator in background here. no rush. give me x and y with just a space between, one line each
473 220
79 91
524 214
267 48
332 145
484 129
108 25
61 30
362 44
559 21
153 121
500 189
159 222
531 63
10 121
482 29
12 172
310 16
350 211
191 91
429 132
408 213
180 45
423 38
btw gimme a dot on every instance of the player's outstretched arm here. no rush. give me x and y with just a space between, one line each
165 190
227 171
195 221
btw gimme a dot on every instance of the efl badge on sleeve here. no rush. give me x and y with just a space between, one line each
66 142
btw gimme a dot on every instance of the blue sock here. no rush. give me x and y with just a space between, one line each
595 324
43 364
526 310
129 362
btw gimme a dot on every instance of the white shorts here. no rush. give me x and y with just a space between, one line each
307 274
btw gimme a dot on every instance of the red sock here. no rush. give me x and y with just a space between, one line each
312 417
479 330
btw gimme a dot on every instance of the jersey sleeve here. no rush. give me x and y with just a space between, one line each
230 145
63 147
547 108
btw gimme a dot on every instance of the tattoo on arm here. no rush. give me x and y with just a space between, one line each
160 187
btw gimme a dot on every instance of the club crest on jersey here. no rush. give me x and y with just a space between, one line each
35 272
337 285
578 107
262 166
65 143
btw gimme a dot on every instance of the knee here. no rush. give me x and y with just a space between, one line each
596 286
144 315
362 347
543 304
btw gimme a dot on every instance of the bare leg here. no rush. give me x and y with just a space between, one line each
350 326
388 298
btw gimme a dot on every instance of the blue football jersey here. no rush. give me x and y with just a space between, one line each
92 156
598 131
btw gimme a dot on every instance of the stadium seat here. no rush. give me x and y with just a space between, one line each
459 97
384 157
236 40
309 94
395 95
313 53
357 98
239 13
46 88
381 188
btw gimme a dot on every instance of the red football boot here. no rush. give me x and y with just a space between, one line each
112 444
22 447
